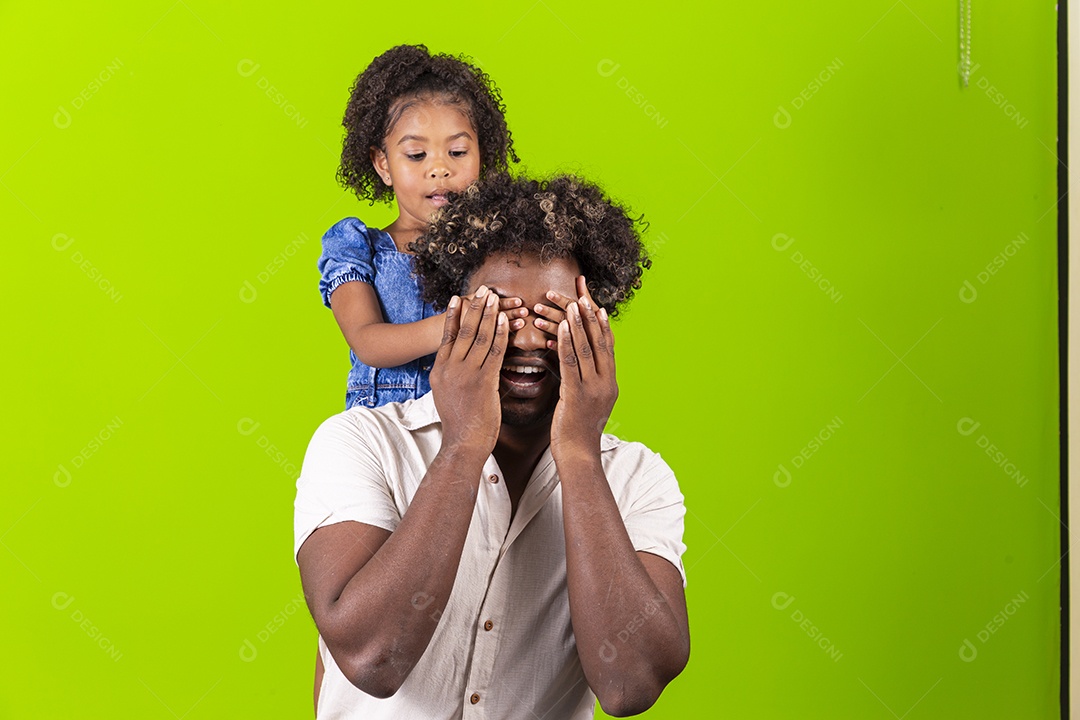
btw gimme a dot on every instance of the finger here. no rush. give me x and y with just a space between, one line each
608 359
587 310
472 308
451 323
568 361
551 327
559 299
515 311
582 347
493 362
506 304
485 331
548 317
582 286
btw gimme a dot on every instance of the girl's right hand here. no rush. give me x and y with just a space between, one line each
549 317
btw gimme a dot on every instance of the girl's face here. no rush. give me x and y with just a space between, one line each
431 150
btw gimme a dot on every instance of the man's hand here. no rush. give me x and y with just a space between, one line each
465 376
588 388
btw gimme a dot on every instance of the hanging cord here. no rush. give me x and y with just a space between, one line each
965 40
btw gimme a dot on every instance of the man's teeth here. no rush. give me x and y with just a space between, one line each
526 369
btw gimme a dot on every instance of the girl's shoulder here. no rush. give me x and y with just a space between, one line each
352 229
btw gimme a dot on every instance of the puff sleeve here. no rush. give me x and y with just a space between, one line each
347 256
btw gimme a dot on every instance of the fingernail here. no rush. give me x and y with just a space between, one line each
585 302
492 299
481 291
453 303
502 319
564 326
603 314
539 308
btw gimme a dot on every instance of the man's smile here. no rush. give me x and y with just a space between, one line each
524 377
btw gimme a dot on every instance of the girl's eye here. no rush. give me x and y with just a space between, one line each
415 156
458 153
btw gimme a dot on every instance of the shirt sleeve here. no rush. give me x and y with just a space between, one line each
342 479
347 256
654 518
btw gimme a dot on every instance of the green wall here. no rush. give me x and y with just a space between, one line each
846 348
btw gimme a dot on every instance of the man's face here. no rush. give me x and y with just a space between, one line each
529 381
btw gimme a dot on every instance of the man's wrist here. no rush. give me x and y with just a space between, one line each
576 459
462 454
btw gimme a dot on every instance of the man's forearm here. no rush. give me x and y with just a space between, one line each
387 612
630 642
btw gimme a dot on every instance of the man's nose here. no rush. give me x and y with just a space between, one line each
529 338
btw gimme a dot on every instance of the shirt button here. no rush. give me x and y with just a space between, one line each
488 625
475 698
493 478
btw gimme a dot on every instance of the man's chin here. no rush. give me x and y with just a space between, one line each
518 414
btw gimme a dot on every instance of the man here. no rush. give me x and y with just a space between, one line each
485 550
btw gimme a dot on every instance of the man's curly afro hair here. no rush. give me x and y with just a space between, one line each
407 72
565 217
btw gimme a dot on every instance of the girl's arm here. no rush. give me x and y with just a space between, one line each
374 341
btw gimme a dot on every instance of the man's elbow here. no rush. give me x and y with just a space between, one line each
628 701
376 674
636 696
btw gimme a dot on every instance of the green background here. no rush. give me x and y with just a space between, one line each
168 356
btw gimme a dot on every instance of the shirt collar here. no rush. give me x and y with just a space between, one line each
422 413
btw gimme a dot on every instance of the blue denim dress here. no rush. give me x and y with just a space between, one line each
351 251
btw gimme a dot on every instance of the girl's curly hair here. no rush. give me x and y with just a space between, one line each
407 72
558 218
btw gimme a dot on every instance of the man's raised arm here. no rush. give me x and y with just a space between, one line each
627 608
376 596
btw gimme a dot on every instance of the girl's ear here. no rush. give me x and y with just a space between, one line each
382 167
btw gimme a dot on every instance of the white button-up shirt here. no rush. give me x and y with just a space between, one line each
504 647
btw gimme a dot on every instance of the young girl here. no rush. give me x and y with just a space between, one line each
418 127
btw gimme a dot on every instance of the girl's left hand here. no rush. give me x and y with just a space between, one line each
515 313
548 317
